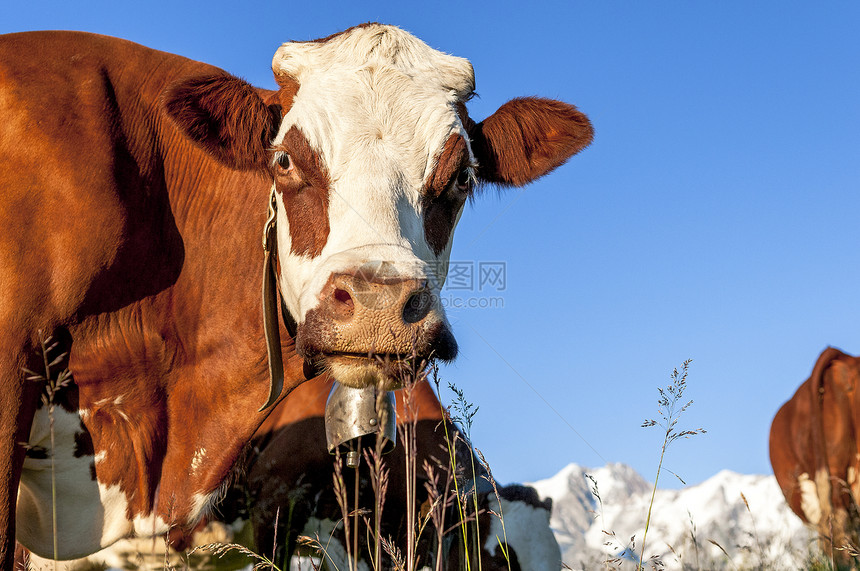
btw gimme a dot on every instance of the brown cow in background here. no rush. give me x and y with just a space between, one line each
815 455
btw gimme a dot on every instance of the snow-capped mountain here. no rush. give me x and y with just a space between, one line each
745 515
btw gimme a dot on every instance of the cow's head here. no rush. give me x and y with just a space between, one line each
373 156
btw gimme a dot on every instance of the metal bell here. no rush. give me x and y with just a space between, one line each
352 413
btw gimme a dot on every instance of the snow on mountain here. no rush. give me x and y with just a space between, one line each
767 534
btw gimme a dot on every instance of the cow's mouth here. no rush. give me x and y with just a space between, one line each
372 358
358 370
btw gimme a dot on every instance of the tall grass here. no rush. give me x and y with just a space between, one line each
450 514
670 407
430 527
465 414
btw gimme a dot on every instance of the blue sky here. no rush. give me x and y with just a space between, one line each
714 217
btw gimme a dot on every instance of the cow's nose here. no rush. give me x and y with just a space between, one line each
376 311
387 301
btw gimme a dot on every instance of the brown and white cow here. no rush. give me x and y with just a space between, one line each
815 451
135 185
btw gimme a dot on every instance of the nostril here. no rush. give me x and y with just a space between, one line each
342 305
342 296
417 306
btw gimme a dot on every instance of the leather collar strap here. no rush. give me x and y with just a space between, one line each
270 308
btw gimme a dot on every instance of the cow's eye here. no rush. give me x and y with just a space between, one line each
464 180
284 162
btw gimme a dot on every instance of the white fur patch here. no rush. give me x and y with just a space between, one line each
377 105
149 525
89 515
528 533
201 502
197 460
42 564
809 499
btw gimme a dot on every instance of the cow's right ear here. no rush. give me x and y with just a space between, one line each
225 116
526 138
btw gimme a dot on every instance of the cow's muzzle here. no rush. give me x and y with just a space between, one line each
372 326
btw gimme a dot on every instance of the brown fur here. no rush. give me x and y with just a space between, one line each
287 92
206 107
305 193
440 207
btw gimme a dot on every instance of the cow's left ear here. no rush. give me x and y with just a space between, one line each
227 117
527 138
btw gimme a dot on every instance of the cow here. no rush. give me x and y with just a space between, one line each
135 184
815 453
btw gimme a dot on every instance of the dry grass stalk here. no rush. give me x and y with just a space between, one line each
503 542
670 412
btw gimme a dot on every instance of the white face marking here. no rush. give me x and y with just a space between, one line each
377 105
528 533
